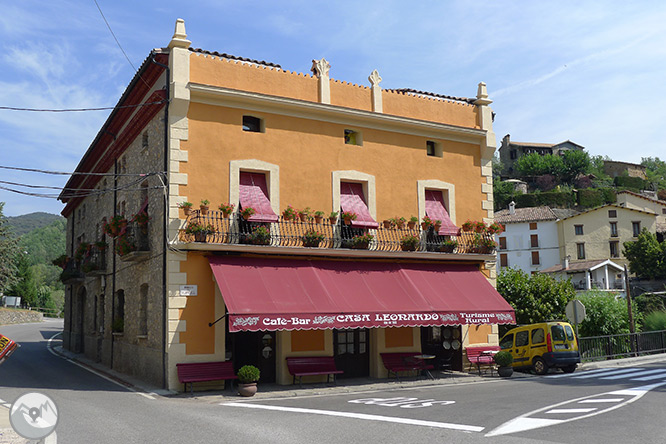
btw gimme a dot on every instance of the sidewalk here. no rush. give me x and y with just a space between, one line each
272 390
7 435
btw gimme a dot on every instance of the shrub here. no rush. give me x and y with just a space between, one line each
503 358
546 182
247 374
590 198
633 183
655 321
605 315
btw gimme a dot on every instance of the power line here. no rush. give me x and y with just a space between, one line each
67 110
77 173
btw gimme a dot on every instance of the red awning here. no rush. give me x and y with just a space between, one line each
352 199
253 192
434 205
280 294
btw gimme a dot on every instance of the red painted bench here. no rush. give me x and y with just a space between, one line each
205 371
483 355
405 362
300 366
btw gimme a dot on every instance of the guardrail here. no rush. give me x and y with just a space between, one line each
599 348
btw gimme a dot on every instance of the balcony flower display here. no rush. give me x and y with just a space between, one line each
261 235
412 222
199 231
362 242
318 216
247 212
289 213
496 228
226 209
312 238
186 207
203 207
409 242
124 245
333 217
348 216
115 226
468 226
448 246
304 214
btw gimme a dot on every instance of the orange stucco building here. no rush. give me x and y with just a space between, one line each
211 287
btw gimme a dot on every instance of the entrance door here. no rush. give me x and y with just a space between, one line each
445 343
255 348
351 352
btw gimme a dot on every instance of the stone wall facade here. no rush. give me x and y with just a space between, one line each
8 316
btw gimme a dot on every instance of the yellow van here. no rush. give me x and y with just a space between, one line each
541 346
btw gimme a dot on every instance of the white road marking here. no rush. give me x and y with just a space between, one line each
49 348
5 404
528 422
582 373
555 411
636 373
651 378
612 372
584 401
417 422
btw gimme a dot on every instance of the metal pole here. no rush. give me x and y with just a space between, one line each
632 328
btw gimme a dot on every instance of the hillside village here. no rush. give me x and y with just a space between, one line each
569 215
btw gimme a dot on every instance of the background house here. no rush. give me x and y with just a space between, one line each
646 203
510 152
615 168
193 285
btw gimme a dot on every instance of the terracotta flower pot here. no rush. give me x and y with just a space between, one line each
411 224
187 210
204 209
347 220
332 220
247 390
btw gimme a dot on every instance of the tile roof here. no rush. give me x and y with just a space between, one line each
574 266
610 206
233 57
531 214
438 96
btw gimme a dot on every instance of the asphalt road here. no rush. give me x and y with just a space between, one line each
599 406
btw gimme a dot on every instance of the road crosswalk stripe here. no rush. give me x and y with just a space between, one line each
636 373
612 372
586 372
651 377
553 411
594 400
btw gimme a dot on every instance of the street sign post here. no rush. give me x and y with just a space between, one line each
575 311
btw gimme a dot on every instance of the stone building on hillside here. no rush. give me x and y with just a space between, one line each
510 151
152 282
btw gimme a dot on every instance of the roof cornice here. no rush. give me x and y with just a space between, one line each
220 96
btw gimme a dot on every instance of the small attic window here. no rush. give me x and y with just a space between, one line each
252 124
353 137
434 149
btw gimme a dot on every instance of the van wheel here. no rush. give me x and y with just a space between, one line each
569 368
540 367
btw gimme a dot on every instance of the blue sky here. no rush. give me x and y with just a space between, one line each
588 71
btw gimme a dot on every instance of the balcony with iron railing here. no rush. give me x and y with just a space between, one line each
323 235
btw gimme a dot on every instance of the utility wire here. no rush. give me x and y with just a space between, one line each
117 42
77 173
69 110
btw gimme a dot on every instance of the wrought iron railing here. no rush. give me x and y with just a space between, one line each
217 229
597 348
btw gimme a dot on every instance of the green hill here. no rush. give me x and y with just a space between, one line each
26 223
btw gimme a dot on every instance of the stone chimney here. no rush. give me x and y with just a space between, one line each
512 208
320 68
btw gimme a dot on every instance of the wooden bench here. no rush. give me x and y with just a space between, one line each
405 362
300 366
483 355
205 371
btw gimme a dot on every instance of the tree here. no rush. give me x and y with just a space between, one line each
535 164
604 314
647 257
535 298
8 250
574 162
655 171
25 287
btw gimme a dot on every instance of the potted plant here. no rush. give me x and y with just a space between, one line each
248 375
289 213
483 245
319 216
333 217
142 219
437 225
186 207
412 222
362 242
480 227
61 261
226 209
101 245
304 214
204 206
504 359
400 222
81 251
199 231
115 226
409 242
124 245
387 224
348 216
261 235
312 238
248 212
468 226
427 223
448 246
495 228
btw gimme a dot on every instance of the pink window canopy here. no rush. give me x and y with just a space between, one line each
253 192
281 294
434 206
353 200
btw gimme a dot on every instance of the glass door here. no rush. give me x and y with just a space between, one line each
351 352
445 343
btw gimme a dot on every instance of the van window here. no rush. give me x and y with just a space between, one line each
507 341
570 334
522 338
537 336
557 332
